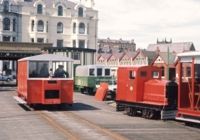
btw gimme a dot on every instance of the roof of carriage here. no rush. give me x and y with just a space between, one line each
188 57
47 57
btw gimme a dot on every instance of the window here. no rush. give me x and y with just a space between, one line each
132 74
74 28
6 6
14 25
14 39
6 24
38 69
47 27
74 43
60 11
163 71
143 73
80 12
6 38
88 42
99 71
107 72
76 55
39 9
59 43
91 72
81 43
88 28
32 25
155 74
59 27
32 40
81 28
188 71
40 27
40 40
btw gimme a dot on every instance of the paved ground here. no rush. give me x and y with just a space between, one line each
18 124
133 127
87 119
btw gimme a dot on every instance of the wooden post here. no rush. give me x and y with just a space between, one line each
180 83
193 83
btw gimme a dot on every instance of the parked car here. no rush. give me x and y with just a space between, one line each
6 77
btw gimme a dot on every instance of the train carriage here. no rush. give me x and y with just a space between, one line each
37 83
89 77
189 87
140 91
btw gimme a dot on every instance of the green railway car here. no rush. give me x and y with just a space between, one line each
88 77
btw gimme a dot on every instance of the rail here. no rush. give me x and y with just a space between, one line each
67 122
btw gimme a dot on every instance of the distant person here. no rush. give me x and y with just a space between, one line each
44 71
33 74
60 72
50 72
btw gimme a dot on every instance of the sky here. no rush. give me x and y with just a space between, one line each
146 20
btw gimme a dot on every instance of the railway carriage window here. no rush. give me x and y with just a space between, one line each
163 71
91 72
99 71
143 73
132 74
155 74
38 69
188 71
107 72
197 70
60 72
33 70
44 70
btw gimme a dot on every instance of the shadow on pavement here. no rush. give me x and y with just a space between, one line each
63 107
82 106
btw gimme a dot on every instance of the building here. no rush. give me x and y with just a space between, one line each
166 61
144 58
137 58
176 47
186 69
70 27
115 46
128 58
10 52
60 22
102 59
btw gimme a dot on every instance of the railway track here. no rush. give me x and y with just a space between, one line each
60 128
74 127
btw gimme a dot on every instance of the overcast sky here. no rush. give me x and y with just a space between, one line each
146 20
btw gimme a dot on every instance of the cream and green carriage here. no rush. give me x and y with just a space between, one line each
89 77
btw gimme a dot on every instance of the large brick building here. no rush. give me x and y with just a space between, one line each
115 46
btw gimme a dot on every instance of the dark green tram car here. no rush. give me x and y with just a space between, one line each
88 77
